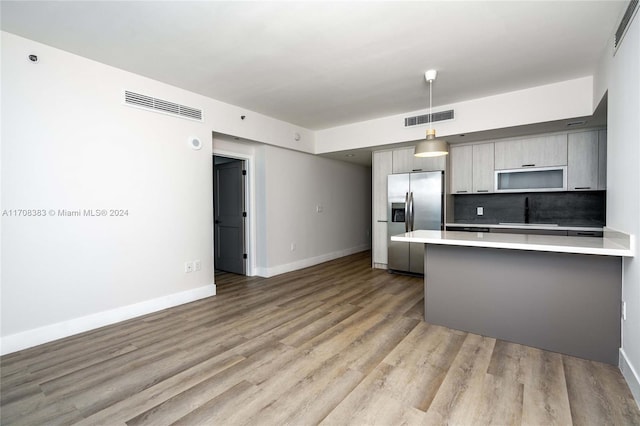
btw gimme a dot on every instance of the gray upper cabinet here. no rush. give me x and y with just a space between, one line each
405 162
382 167
483 167
542 151
582 168
602 160
461 169
472 168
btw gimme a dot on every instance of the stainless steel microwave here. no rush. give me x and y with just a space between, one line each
531 179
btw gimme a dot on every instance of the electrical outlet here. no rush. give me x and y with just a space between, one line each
319 208
197 265
479 211
188 267
293 246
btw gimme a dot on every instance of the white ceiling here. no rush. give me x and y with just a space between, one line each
323 64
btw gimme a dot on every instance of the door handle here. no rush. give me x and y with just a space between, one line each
411 209
216 222
406 212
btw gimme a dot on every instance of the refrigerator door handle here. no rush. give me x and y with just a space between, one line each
406 212
411 212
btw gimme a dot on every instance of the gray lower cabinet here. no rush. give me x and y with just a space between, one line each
585 234
561 302
561 232
529 231
380 244
468 229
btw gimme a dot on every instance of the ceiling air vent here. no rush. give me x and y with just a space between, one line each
424 119
159 105
632 8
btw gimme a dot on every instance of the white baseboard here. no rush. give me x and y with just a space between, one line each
630 375
311 261
48 333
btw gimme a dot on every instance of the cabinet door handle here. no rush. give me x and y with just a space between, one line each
528 165
582 187
482 190
416 170
462 192
383 221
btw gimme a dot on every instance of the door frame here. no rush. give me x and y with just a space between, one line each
249 202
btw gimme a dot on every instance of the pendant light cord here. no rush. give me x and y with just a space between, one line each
430 105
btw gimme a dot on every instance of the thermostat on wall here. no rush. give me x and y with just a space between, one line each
195 143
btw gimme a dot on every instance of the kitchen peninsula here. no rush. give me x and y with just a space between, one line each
559 293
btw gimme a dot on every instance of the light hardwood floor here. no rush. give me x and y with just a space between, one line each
338 343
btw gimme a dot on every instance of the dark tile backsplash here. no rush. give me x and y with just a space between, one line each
563 208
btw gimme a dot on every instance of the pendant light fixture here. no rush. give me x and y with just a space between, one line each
431 147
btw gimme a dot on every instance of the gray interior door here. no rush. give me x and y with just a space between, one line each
229 216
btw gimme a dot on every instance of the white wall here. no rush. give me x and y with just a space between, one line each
567 99
68 142
623 181
296 184
287 188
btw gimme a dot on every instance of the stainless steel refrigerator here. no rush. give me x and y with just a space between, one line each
414 201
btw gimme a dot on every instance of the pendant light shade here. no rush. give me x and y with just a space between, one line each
431 147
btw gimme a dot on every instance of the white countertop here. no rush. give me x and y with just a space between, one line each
612 244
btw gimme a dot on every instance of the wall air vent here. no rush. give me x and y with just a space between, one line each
159 105
632 8
424 119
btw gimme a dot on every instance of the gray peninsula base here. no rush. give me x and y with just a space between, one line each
567 303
